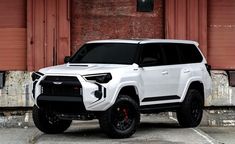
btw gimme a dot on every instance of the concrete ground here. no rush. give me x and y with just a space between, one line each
153 129
225 135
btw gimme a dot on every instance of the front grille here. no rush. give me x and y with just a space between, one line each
61 78
61 94
54 90
61 86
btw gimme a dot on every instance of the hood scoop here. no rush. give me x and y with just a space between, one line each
78 65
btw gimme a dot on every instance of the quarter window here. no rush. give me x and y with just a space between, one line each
189 53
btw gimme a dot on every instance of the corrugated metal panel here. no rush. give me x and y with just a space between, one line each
12 13
13 35
221 32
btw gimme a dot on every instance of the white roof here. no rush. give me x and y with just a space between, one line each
144 41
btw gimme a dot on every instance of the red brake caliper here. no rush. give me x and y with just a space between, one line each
126 114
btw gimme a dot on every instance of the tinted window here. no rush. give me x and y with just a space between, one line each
113 53
171 53
189 53
152 55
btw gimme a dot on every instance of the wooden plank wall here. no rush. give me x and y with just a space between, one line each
48 33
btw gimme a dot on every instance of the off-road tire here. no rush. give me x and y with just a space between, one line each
42 122
191 111
122 119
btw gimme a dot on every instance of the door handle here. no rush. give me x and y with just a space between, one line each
164 72
186 70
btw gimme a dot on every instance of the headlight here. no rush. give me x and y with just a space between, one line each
100 78
36 75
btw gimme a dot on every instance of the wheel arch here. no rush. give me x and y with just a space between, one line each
198 85
131 91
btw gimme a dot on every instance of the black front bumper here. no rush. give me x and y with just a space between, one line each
61 94
61 104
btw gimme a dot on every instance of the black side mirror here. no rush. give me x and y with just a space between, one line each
66 59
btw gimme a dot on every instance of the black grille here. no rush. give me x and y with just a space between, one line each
61 78
61 86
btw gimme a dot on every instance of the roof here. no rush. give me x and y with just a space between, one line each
144 41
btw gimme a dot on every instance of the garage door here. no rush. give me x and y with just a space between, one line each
105 19
221 34
12 35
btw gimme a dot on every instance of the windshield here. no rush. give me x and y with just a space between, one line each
112 53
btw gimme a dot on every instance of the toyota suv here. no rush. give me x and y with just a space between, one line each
115 81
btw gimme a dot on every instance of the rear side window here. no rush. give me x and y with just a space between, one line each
171 53
151 55
189 53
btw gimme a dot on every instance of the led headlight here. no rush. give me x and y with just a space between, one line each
100 78
36 75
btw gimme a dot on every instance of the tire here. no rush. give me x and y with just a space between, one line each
48 123
191 110
122 119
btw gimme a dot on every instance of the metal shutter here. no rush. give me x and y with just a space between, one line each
13 34
221 34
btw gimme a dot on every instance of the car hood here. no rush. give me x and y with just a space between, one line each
81 69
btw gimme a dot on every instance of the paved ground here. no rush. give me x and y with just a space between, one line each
224 135
153 129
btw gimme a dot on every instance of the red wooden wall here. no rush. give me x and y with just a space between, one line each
48 35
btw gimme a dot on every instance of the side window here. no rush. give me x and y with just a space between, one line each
151 55
189 53
171 53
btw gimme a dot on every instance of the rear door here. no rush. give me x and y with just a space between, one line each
191 64
175 69
154 74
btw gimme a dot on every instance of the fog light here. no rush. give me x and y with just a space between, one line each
98 94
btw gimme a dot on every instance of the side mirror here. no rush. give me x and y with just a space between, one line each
66 59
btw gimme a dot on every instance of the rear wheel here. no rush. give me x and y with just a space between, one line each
191 111
122 119
49 123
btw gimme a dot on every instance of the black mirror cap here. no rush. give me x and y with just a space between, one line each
66 59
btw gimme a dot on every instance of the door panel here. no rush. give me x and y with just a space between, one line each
155 81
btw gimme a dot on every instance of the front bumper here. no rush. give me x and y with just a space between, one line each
55 94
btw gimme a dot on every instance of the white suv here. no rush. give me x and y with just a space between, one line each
116 80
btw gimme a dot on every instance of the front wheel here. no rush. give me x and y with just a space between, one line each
191 110
49 123
122 119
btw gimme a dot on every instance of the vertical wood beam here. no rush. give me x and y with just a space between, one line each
30 51
48 33
203 36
